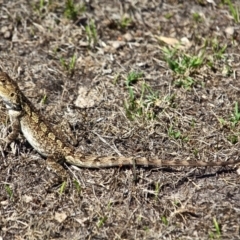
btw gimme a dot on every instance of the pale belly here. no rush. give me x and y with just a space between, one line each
38 143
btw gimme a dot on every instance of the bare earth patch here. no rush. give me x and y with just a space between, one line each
111 69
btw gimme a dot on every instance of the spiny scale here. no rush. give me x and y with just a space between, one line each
52 144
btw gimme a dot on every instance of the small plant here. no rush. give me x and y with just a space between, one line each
116 78
125 22
145 228
9 191
217 227
110 203
44 99
236 115
217 49
91 31
222 122
63 187
41 5
69 67
227 71
71 11
157 189
132 78
168 15
186 83
131 104
139 105
233 139
174 134
233 10
77 186
183 65
196 17
63 63
72 63
195 152
164 220
101 221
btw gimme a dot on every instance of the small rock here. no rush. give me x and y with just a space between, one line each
7 34
4 29
60 217
128 37
117 44
27 198
83 44
229 31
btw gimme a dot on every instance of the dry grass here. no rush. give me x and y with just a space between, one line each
76 63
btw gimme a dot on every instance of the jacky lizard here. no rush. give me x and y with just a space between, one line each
50 144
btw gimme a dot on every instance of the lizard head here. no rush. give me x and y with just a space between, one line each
9 91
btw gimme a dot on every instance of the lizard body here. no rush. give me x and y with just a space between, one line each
49 143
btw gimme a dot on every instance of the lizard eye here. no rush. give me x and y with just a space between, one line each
12 94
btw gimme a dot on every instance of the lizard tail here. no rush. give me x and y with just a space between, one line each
91 161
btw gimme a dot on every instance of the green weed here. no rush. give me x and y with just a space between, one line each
173 133
38 7
216 235
234 11
116 78
133 77
44 99
217 227
180 62
139 105
227 71
232 139
63 187
77 186
164 220
145 228
218 53
91 31
157 190
195 152
169 15
9 191
217 48
183 65
69 66
71 11
222 122
196 17
101 221
41 5
236 115
125 22
186 83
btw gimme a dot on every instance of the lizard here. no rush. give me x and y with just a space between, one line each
49 143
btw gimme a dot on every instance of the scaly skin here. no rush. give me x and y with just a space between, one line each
52 145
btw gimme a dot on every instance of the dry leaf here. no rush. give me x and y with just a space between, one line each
168 40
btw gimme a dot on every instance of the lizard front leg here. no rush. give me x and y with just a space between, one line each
54 164
16 128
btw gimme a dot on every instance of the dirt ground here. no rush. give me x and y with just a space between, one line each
135 78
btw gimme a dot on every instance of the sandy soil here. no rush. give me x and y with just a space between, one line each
133 78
